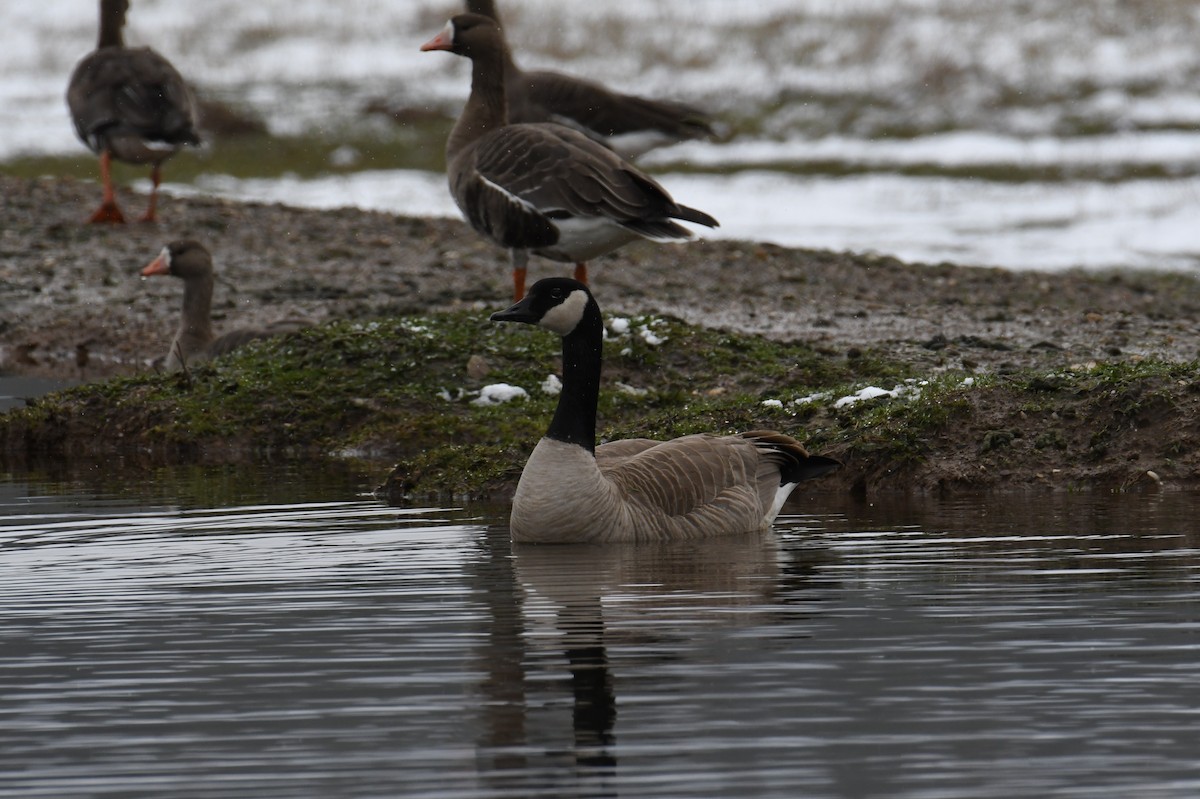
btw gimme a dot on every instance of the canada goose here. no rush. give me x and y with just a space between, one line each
194 341
637 489
629 124
540 186
129 104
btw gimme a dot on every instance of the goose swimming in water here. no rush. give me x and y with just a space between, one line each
637 489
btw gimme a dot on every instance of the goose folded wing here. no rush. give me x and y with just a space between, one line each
612 453
694 476
608 113
562 174
150 97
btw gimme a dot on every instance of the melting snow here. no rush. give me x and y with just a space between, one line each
498 394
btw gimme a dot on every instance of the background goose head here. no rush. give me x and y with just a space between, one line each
467 35
187 259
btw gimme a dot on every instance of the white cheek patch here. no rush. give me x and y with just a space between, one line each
166 256
563 317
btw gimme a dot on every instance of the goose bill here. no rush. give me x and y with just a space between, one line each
159 266
443 41
521 312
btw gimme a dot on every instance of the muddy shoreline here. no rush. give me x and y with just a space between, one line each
69 289
75 308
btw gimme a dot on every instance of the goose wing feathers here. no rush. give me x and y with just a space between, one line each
553 172
234 339
132 90
696 476
553 97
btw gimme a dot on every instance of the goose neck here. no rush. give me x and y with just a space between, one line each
486 109
196 322
575 417
112 22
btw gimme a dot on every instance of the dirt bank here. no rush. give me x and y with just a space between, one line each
67 289
74 307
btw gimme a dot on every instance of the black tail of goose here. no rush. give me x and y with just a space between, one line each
795 464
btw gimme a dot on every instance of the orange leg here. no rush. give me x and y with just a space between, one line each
155 179
518 284
519 259
581 272
108 210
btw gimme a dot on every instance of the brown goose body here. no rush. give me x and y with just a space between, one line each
194 341
572 491
629 124
543 187
129 104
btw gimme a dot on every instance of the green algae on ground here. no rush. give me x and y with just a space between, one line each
416 146
404 387
408 389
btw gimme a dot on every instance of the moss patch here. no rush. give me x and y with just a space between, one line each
406 388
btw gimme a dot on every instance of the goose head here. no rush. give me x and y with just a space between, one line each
467 35
187 259
558 304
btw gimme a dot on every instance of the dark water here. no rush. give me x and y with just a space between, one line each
16 390
197 633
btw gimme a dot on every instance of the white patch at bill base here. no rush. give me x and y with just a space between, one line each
563 318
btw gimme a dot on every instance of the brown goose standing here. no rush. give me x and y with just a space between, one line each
194 342
129 104
629 124
572 491
541 186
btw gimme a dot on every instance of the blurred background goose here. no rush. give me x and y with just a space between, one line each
637 489
194 342
627 123
129 104
541 186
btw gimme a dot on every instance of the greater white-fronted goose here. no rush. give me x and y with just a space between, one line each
627 123
194 342
129 104
541 186
572 491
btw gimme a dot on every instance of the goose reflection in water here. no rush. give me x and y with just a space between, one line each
572 604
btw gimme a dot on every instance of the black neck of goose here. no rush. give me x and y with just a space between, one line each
112 21
486 109
575 418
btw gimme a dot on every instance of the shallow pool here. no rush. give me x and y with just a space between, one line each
174 638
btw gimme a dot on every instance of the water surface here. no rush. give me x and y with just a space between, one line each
330 645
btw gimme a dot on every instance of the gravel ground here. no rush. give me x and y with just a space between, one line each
74 306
